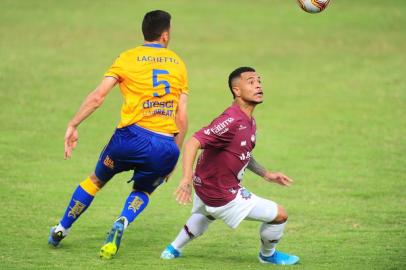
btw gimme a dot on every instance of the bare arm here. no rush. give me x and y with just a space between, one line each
184 191
181 120
256 168
275 177
89 105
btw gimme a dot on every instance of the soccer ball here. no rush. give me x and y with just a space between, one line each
313 6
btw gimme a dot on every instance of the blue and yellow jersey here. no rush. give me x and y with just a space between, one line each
151 79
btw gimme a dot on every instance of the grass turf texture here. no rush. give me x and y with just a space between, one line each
333 120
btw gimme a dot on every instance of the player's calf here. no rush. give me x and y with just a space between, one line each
196 225
81 199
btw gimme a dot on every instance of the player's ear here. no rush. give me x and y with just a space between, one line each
165 36
237 91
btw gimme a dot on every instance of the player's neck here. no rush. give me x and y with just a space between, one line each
247 108
163 44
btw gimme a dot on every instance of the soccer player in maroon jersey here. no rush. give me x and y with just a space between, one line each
227 145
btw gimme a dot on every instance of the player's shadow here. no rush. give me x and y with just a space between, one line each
226 258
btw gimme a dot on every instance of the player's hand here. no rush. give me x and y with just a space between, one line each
71 140
278 178
184 192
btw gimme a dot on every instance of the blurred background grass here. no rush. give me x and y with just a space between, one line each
333 120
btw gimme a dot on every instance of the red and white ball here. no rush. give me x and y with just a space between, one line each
313 6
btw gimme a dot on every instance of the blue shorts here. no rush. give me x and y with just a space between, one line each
152 157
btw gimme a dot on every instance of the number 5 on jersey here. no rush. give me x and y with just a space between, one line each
156 83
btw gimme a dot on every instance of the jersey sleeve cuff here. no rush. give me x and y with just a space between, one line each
110 74
201 141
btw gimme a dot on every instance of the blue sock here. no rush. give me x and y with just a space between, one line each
134 205
80 201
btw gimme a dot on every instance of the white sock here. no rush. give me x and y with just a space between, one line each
60 228
270 235
125 221
196 225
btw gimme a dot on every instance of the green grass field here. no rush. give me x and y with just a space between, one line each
334 119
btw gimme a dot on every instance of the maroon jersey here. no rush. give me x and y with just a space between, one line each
227 144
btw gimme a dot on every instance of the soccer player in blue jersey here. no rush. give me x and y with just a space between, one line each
154 84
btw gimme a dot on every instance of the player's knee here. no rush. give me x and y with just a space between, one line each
96 181
197 225
282 215
192 232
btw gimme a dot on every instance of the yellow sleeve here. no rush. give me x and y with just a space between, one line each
116 70
185 87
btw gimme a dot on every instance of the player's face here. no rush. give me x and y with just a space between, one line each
250 88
